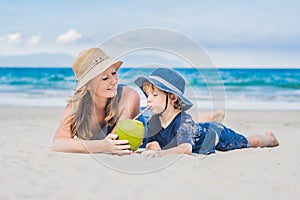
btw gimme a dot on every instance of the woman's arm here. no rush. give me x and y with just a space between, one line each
109 145
63 142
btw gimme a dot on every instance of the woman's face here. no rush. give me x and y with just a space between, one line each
105 84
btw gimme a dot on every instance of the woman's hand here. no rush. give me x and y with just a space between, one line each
114 146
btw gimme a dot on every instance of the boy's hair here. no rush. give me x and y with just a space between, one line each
178 104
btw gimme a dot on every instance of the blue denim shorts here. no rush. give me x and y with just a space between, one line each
228 138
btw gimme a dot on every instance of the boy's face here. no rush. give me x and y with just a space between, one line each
156 99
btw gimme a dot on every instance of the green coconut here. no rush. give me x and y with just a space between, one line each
131 130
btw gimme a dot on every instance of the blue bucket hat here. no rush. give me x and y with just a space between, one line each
169 81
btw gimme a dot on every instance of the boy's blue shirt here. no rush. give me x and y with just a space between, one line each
181 130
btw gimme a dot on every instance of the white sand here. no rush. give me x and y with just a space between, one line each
29 170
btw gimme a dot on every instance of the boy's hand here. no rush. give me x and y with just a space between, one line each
153 146
151 153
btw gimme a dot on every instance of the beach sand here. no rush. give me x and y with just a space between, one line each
30 170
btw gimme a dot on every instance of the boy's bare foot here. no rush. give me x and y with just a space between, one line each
218 116
274 141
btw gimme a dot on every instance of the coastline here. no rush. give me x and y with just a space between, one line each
30 170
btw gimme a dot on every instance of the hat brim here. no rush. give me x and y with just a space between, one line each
141 80
98 69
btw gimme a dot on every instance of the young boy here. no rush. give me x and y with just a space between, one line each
172 131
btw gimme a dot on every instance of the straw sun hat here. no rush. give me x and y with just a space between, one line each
90 63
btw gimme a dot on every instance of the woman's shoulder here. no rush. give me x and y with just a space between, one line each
129 92
127 88
129 102
67 109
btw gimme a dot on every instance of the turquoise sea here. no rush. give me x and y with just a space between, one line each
207 88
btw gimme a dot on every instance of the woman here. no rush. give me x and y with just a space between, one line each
90 116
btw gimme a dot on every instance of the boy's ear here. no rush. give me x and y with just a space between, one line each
173 97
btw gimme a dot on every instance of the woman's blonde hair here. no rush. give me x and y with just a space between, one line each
80 119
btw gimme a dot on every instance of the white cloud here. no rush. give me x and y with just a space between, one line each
14 36
69 37
35 40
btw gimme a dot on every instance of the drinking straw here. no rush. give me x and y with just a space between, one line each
141 112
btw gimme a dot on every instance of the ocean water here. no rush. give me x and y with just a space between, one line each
207 88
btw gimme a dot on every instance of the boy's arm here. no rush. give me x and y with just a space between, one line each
184 148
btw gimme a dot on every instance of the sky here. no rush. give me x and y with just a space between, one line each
233 33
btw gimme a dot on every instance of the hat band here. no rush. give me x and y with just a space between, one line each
91 66
166 83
